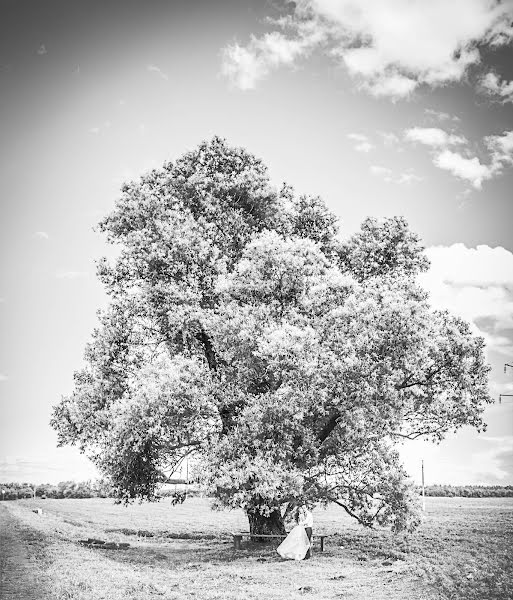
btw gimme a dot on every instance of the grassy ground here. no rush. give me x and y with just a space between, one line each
462 551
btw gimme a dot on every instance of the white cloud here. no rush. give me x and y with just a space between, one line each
493 85
440 116
476 284
406 178
363 144
42 235
502 32
432 136
381 171
389 177
62 274
389 47
245 66
462 164
501 148
3 377
391 84
94 130
481 266
42 50
468 169
389 138
158 71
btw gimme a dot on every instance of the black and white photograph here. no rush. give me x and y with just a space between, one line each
256 299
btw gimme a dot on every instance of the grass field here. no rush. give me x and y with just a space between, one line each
462 551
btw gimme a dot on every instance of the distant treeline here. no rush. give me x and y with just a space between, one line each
469 491
102 489
64 489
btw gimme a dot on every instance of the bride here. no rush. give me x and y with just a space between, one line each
297 545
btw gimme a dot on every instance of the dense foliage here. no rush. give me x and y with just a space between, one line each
243 332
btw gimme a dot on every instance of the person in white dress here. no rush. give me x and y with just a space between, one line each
297 545
305 519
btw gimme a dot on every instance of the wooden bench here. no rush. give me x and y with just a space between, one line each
237 538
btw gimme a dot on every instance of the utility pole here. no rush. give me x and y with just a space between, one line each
186 476
423 491
501 396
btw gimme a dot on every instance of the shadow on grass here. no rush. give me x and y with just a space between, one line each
191 555
164 534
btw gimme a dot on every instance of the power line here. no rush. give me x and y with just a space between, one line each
501 396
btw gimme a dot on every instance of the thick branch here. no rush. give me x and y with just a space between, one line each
208 348
329 426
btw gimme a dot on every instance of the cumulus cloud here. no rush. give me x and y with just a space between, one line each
363 144
461 163
440 116
497 87
390 48
468 169
405 178
3 377
42 50
245 66
42 235
158 71
393 85
476 284
501 148
388 176
433 136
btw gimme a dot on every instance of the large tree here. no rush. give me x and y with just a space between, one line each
242 331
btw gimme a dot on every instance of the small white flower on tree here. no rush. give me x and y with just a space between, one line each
242 332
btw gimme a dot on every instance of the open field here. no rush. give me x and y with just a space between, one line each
462 551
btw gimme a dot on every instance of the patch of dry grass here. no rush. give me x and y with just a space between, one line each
462 551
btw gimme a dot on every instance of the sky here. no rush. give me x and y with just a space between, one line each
396 108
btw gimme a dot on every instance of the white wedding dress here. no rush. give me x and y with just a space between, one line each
295 545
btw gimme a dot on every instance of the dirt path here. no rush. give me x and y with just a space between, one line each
20 575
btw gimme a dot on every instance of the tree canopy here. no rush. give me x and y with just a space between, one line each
243 331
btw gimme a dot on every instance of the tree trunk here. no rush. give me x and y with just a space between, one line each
271 525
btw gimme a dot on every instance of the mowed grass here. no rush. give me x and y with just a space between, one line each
462 551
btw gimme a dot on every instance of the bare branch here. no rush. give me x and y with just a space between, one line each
363 522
